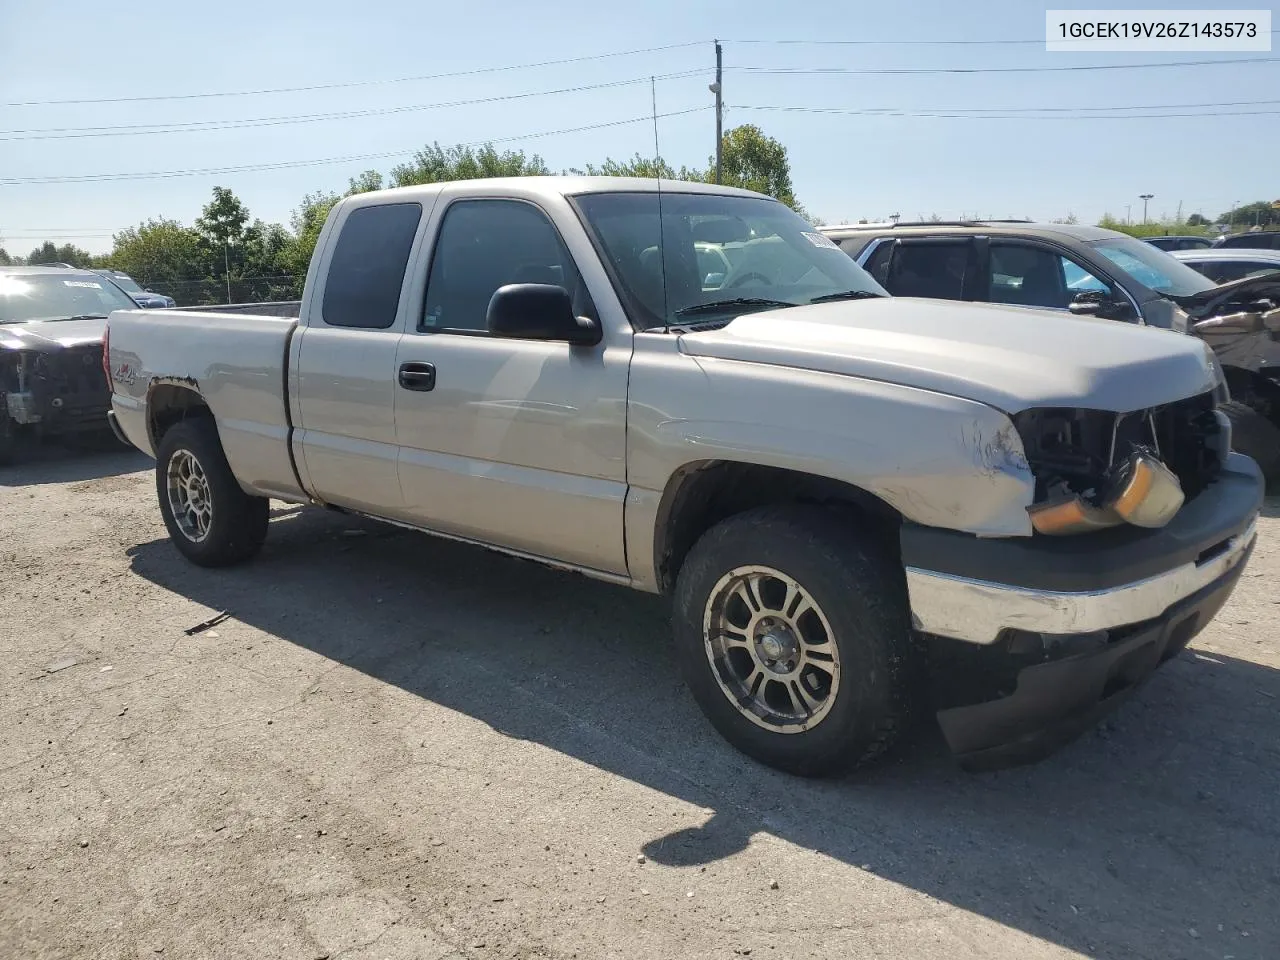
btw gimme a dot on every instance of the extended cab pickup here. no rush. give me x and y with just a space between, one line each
838 490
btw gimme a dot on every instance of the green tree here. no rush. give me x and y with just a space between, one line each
435 164
223 219
262 265
1197 220
167 257
368 181
638 166
48 252
1259 213
755 161
5 259
307 222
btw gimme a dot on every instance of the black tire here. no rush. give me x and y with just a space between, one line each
237 522
8 435
1254 435
862 594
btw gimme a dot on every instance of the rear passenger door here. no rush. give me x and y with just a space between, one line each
940 268
518 443
343 363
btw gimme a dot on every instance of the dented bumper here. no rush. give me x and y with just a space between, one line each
1053 702
1043 635
975 590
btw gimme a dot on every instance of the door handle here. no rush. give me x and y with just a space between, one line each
418 376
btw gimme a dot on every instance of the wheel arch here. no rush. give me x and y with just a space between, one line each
701 494
170 402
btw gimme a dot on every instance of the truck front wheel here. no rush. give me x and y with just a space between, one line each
1254 435
793 633
210 519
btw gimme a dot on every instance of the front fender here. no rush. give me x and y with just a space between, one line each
940 461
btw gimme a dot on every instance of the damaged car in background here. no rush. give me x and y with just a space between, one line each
52 382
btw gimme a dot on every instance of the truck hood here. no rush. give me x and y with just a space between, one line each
46 336
1011 358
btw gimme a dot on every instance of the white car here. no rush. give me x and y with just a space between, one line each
1231 263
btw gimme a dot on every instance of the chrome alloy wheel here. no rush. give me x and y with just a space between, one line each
189 498
771 649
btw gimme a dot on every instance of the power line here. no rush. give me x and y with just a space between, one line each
199 126
962 115
924 71
357 83
290 164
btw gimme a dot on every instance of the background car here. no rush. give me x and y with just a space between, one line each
1179 242
1224 266
1256 240
52 381
143 298
1096 272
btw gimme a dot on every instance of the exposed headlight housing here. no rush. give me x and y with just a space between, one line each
1096 470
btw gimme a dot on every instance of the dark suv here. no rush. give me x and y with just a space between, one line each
1096 272
1257 240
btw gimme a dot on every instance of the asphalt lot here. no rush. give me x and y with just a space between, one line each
397 747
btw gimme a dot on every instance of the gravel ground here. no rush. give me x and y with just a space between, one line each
397 747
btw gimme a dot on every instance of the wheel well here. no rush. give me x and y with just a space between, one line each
1255 390
169 404
701 495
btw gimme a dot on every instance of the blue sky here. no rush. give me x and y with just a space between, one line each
844 166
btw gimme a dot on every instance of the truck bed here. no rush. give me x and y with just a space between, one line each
236 360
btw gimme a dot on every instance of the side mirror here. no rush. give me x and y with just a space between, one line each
713 281
539 311
1088 303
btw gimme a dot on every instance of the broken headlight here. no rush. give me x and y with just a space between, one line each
1095 469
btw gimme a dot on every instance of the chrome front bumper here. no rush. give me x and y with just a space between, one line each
978 611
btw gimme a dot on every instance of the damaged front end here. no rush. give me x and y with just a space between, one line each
55 392
1095 469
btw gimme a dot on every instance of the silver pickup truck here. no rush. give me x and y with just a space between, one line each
858 505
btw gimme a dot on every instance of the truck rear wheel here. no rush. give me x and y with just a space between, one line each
1254 435
210 519
793 633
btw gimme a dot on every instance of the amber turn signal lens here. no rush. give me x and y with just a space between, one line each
1149 492
1064 517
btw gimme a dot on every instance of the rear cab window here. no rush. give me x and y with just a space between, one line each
366 271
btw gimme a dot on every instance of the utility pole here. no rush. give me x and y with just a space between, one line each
1127 206
226 263
718 89
1144 197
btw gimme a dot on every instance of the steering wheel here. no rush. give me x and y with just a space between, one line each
745 278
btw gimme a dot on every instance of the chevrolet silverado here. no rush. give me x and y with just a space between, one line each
839 491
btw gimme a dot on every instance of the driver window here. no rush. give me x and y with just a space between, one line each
487 244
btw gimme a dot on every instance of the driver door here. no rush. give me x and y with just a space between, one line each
518 443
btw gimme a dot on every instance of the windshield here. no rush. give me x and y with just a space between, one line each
127 282
50 297
715 250
1152 267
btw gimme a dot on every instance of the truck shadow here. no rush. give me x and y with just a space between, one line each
48 463
1163 820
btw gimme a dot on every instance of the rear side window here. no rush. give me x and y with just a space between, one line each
929 270
878 263
1236 270
367 268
